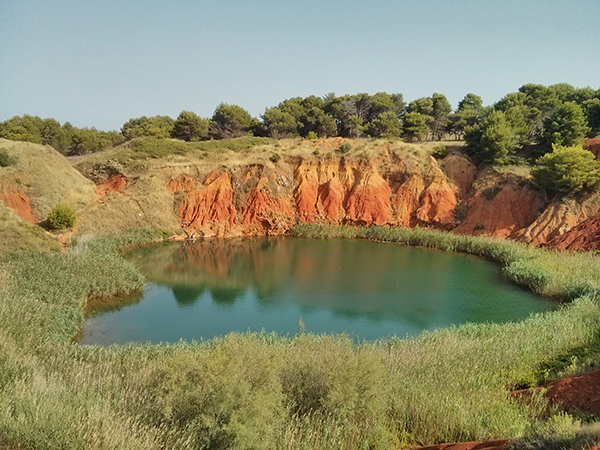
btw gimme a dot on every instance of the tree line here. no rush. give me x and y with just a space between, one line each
545 115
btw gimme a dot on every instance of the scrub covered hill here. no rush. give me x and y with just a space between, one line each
260 186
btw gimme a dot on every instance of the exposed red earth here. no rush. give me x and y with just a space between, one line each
585 236
19 202
575 395
116 183
496 444
449 194
593 145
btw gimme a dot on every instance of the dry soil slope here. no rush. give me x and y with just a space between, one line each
39 179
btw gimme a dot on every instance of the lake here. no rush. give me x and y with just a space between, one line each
365 289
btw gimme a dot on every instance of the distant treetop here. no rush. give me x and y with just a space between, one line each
559 114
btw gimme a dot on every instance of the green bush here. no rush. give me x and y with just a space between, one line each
440 151
61 217
344 147
275 157
5 159
567 170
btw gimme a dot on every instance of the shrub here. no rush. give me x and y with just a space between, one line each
151 147
61 217
344 147
274 158
440 151
6 159
567 170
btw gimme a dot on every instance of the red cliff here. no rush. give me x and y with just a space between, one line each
450 194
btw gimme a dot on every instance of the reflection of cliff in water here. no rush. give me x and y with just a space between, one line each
317 272
226 268
213 287
111 304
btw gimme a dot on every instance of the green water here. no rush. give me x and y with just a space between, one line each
366 289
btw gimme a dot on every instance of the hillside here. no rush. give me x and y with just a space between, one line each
39 179
257 186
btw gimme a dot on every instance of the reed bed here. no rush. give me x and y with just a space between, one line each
267 391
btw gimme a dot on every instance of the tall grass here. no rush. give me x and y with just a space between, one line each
268 391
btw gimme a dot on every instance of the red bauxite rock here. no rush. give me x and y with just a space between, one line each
20 204
116 183
583 237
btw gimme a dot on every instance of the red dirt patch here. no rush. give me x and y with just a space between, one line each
593 145
116 183
577 394
437 201
580 393
369 200
510 209
261 207
183 183
20 203
406 200
306 192
496 444
211 203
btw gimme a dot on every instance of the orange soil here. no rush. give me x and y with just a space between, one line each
577 394
183 183
496 444
19 202
593 145
437 201
116 183
510 209
334 191
259 200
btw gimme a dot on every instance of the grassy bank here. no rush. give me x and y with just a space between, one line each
267 391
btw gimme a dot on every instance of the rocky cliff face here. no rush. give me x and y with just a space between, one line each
449 194
396 188
269 200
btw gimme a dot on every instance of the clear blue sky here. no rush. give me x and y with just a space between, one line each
99 63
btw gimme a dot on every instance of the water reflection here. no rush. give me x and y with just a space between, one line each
373 290
186 296
349 277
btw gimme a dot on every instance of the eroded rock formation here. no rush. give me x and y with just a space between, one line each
450 195
19 202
